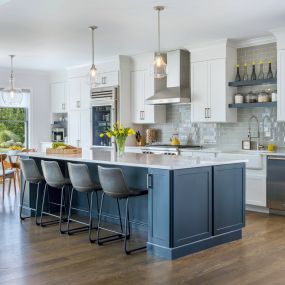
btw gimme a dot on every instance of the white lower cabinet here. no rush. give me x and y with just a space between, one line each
255 190
79 128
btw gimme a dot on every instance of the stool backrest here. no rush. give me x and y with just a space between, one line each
79 176
52 173
113 182
30 169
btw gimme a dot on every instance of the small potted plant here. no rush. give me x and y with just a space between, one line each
120 134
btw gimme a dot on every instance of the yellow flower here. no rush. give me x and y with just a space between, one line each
253 63
261 62
245 65
269 61
131 132
101 135
108 134
237 65
115 133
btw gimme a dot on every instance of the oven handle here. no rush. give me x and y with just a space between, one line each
276 157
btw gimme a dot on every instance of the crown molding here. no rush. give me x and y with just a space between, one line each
256 41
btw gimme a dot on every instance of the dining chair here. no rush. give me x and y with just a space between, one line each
6 173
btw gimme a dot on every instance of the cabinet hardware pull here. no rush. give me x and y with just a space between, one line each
209 112
78 104
104 79
149 180
143 115
276 158
63 106
205 115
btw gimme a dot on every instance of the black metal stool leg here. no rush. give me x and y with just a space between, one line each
99 220
90 218
69 211
37 203
119 211
22 200
127 225
43 203
60 213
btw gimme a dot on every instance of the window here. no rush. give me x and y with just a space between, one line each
13 127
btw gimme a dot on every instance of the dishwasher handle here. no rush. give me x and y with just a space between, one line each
276 157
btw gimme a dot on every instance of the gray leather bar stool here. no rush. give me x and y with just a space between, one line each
114 185
32 175
81 182
55 179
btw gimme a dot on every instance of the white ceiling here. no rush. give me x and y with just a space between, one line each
53 34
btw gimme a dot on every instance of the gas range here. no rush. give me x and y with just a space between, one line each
167 149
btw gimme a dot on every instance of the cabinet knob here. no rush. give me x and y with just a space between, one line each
149 180
104 80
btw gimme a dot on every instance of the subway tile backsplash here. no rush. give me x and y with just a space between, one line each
228 135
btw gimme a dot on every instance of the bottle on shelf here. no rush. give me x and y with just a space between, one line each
238 78
245 74
253 74
261 73
270 73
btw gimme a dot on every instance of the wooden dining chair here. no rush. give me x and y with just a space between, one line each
6 173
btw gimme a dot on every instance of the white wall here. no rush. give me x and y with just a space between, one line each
38 83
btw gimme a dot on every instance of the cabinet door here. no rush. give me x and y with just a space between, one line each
217 90
137 95
58 102
280 85
74 127
74 91
192 205
149 110
199 91
107 79
85 129
255 190
85 93
229 198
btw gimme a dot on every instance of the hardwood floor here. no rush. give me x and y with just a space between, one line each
34 255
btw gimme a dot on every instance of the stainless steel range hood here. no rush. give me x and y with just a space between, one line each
177 90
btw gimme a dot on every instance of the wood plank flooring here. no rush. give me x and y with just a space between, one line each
34 255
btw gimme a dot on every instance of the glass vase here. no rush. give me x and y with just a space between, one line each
121 143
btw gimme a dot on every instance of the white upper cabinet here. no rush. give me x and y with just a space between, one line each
143 86
211 70
58 97
79 93
107 79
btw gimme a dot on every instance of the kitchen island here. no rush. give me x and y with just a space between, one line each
192 204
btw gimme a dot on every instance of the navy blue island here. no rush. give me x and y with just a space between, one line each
192 204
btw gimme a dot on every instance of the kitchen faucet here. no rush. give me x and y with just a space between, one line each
249 130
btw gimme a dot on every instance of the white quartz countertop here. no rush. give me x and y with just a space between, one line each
136 159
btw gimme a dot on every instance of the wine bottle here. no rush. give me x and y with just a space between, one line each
238 78
270 73
261 73
245 75
253 74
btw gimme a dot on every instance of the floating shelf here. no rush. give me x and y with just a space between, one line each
253 105
252 82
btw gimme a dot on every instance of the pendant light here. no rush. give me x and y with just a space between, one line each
159 63
93 70
11 95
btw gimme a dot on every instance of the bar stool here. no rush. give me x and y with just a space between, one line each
54 178
32 175
113 183
81 182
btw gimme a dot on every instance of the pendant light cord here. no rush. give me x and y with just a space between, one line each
158 29
92 46
12 72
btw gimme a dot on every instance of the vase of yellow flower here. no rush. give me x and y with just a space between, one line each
120 134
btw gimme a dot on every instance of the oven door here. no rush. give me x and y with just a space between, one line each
103 115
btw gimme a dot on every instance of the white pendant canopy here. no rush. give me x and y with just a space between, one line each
160 67
12 96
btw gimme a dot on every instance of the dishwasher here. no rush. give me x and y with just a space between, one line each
275 183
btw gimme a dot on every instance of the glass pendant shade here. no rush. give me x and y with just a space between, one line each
11 95
160 66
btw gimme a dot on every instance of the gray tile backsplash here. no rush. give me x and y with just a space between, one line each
228 135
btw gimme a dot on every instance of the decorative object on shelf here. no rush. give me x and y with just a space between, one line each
139 139
253 105
269 73
250 97
271 147
160 67
237 78
274 96
93 70
238 98
245 74
150 136
120 134
253 74
263 97
261 73
174 140
12 96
